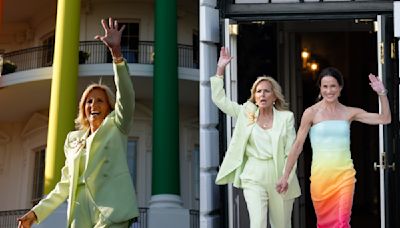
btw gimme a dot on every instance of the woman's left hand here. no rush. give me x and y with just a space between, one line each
282 185
376 84
112 36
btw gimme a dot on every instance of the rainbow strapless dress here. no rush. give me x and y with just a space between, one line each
332 173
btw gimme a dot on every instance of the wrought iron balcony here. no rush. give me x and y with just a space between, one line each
94 52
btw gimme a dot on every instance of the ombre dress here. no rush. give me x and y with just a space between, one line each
332 173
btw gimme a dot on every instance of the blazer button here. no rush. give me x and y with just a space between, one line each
105 175
106 161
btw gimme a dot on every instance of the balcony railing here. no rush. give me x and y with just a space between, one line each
194 219
37 57
8 219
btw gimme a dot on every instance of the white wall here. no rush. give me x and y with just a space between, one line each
17 160
30 33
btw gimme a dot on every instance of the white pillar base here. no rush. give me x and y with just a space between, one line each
165 201
166 211
56 219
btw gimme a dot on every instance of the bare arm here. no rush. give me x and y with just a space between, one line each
305 125
384 117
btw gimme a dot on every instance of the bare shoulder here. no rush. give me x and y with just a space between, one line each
308 115
311 111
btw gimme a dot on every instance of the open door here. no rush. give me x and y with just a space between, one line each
236 204
388 134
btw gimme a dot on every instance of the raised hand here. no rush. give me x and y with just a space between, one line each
282 185
27 220
224 57
377 85
112 35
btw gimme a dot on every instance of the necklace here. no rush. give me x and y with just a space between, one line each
265 124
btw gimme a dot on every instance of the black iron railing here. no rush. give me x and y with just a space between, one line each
94 52
194 219
8 219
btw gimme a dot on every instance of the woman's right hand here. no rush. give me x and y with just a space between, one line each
224 59
112 36
27 220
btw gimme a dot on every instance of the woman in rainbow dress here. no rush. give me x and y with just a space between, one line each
332 172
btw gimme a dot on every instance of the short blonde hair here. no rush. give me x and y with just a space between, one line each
81 122
280 102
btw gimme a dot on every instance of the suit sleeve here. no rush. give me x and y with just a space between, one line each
57 196
125 97
290 137
220 99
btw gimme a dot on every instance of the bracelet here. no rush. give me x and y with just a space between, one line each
117 60
383 93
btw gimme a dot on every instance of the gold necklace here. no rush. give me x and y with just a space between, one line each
265 124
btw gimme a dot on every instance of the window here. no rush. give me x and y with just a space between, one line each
196 173
195 42
129 42
48 50
131 157
38 175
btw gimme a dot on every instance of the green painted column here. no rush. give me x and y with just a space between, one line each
63 100
165 173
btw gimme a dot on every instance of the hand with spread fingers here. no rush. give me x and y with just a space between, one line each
112 36
377 85
224 59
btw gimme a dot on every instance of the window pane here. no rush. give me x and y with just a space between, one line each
196 172
131 158
38 175
130 42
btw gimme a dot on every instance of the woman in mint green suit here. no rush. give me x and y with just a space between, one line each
255 159
96 179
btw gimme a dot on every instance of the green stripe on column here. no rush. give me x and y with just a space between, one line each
165 167
63 88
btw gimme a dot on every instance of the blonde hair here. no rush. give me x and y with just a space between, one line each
280 103
81 121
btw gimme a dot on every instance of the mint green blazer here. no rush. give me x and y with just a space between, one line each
282 137
107 174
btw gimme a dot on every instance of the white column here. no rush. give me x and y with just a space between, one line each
209 136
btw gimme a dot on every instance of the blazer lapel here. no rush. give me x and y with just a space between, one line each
78 145
277 126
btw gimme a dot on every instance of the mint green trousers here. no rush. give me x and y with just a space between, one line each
263 201
86 214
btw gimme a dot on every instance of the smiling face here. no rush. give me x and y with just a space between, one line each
330 88
96 108
264 96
